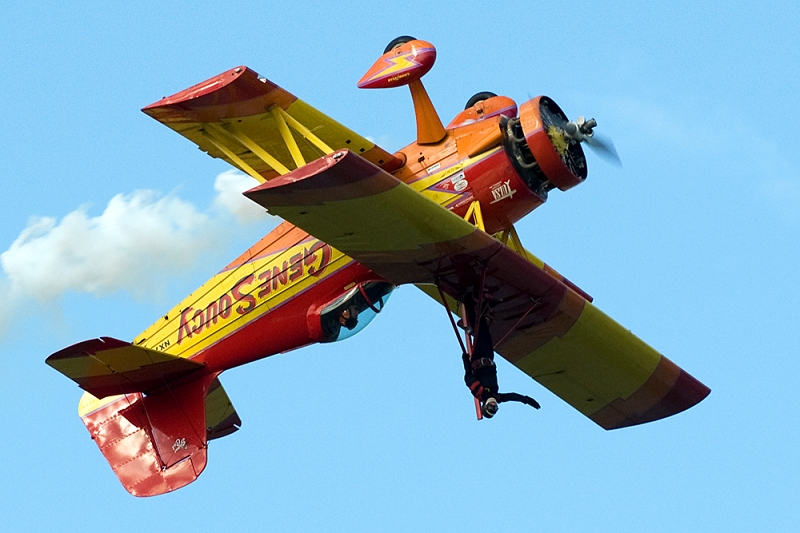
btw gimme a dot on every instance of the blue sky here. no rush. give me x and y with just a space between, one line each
693 245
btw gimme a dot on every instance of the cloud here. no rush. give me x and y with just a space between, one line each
6 310
229 186
136 236
139 242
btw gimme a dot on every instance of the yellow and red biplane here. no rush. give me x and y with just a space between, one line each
360 221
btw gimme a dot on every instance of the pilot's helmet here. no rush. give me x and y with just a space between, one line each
490 407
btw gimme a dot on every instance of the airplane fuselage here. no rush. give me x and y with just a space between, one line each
265 301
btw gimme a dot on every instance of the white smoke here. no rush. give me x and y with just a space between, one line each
139 242
229 186
136 236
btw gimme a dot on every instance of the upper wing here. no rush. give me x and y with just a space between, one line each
258 127
539 323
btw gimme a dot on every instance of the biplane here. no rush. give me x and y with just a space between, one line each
359 221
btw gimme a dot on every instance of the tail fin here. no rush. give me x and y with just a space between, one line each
158 443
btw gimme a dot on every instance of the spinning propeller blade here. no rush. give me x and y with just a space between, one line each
604 147
582 130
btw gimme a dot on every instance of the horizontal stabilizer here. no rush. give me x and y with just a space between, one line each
155 443
107 366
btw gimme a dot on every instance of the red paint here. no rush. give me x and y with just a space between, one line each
243 296
248 299
155 443
240 91
511 199
541 146
284 327
415 59
295 267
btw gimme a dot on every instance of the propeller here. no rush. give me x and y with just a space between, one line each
582 131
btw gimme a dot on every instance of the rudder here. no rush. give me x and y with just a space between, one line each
156 443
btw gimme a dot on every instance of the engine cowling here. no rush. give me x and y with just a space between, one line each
540 149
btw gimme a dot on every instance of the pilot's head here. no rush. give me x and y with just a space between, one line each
490 407
349 317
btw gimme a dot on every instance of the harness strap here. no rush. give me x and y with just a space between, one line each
482 362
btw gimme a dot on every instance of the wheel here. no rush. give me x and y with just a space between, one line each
484 95
397 41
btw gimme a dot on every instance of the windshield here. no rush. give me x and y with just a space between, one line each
351 312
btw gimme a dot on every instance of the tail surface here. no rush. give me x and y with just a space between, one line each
155 443
155 433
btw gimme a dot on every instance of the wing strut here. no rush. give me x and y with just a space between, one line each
288 139
470 330
232 156
305 132
464 349
450 317
470 349
474 215
510 238
254 147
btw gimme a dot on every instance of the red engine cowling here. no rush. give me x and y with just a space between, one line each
540 147
538 158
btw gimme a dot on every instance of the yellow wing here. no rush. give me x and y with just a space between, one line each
259 127
539 323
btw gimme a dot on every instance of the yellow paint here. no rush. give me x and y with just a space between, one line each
559 140
305 132
328 130
287 137
441 197
393 228
184 333
239 162
474 215
318 135
396 64
89 403
593 364
251 145
510 238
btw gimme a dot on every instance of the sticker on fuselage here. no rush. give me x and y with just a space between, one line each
433 168
459 182
501 191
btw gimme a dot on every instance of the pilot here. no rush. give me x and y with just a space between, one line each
480 372
349 317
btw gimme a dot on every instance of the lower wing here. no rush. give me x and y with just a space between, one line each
540 323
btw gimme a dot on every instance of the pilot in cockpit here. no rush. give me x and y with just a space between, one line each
348 317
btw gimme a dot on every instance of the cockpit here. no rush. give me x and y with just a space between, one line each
351 312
